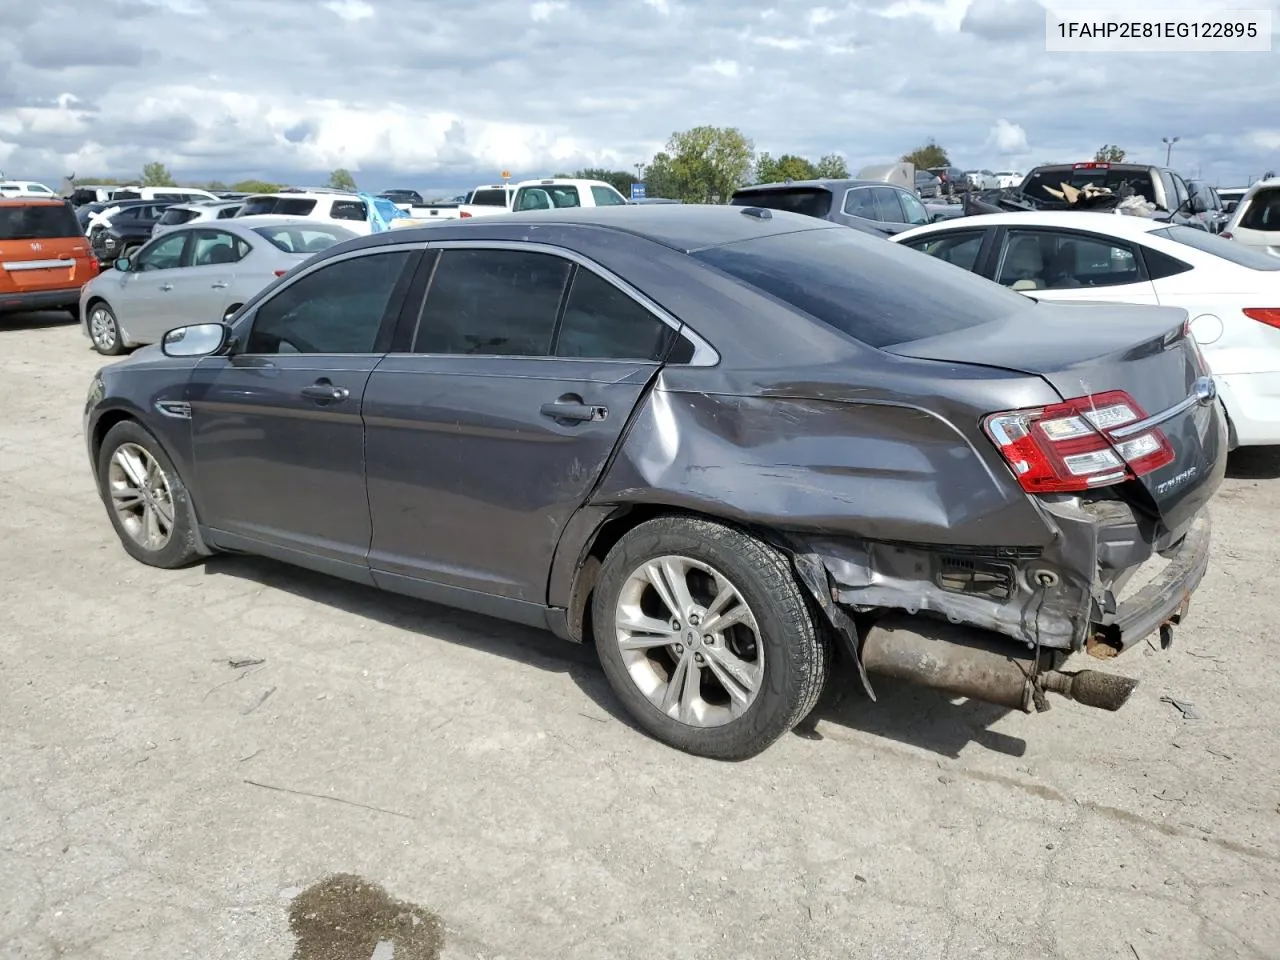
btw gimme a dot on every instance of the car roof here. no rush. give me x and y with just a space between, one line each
1122 224
686 227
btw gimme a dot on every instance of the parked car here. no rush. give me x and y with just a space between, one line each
402 197
26 188
205 270
487 199
928 186
89 193
181 213
1256 220
716 442
44 258
1007 179
870 206
344 209
1207 205
953 179
1232 293
558 193
1230 197
126 230
102 216
982 179
1160 186
173 194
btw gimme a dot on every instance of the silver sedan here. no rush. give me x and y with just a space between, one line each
195 272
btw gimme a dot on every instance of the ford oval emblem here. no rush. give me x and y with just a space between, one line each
1204 390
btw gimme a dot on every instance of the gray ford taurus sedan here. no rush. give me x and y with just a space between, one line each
725 444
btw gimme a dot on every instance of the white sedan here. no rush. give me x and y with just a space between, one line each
1231 292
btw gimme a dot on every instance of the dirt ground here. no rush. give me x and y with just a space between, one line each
476 780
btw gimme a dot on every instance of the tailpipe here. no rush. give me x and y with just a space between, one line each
969 662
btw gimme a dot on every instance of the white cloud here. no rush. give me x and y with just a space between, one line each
662 6
350 10
543 9
1007 139
820 15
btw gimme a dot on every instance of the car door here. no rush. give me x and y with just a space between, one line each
145 305
1050 264
206 285
491 429
277 436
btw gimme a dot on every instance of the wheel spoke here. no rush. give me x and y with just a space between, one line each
738 614
675 686
164 510
691 692
132 466
676 572
739 678
151 525
722 599
125 498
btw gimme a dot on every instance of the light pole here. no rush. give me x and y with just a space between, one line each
1168 147
639 170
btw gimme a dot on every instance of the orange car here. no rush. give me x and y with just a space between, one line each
44 256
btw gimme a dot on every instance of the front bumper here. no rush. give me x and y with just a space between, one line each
39 299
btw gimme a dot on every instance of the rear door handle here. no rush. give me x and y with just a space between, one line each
576 411
220 285
325 392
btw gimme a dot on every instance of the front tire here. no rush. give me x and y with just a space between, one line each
706 637
146 499
104 330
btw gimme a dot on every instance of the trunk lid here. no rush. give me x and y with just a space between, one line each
1081 349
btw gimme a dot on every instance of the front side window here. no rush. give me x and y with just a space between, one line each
339 308
915 212
888 209
959 247
164 254
602 322
1045 260
492 303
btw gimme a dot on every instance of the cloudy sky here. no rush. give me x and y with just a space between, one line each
443 94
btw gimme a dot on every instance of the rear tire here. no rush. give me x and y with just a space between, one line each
104 330
723 693
146 499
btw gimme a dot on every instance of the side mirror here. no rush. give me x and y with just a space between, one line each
196 340
937 216
1229 206
1199 204
122 264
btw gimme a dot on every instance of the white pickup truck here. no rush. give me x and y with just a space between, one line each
554 193
487 199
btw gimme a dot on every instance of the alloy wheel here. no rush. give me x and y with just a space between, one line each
102 328
689 641
141 496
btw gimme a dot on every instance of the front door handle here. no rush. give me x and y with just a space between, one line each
220 285
323 391
574 410
166 287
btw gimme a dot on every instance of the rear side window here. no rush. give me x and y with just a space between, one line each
285 206
492 303
176 215
602 322
1161 265
126 195
349 210
38 221
870 289
1263 212
810 201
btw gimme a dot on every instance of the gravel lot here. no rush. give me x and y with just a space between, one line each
155 801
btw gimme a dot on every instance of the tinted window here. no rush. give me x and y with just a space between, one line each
861 202
959 247
126 195
164 254
37 221
286 206
227 212
489 198
492 302
868 288
176 215
1263 211
607 197
888 210
1044 260
308 238
337 309
914 210
349 210
810 201
1161 265
212 247
602 322
1237 253
128 213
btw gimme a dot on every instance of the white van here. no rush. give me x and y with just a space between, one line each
181 194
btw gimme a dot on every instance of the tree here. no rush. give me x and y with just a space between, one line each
786 167
255 186
833 167
703 165
216 186
1109 153
620 180
927 156
156 175
341 179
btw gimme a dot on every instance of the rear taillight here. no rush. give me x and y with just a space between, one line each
1268 315
1072 445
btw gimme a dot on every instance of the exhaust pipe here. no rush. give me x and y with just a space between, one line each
961 661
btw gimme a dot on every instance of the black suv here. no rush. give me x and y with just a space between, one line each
128 229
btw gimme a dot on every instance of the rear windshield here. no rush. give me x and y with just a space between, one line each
546 197
1263 212
1239 253
875 291
297 238
38 221
286 206
811 201
489 198
1124 182
175 215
